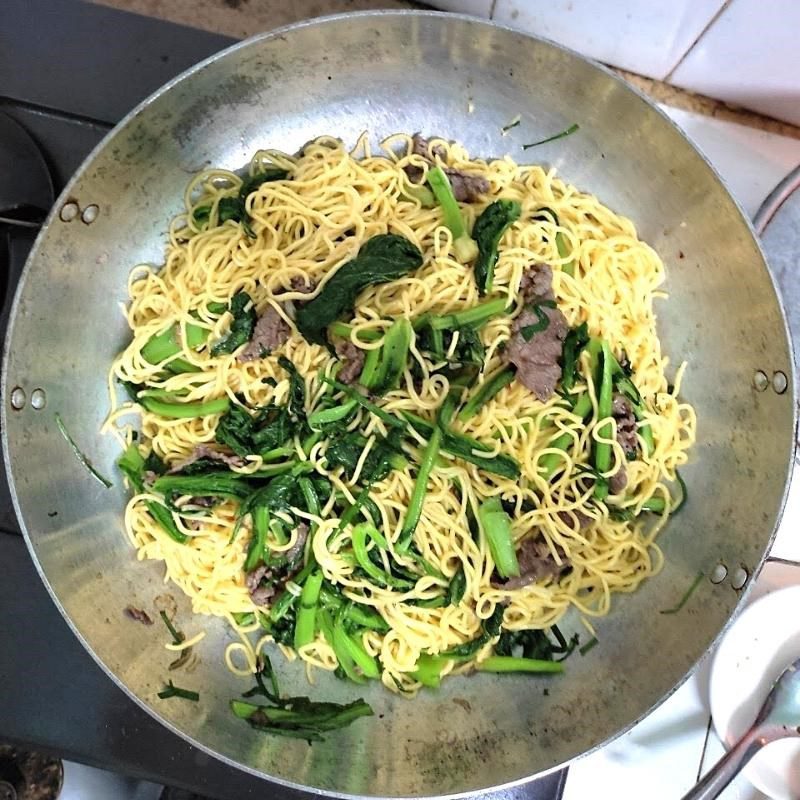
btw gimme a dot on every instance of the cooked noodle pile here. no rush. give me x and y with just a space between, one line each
306 227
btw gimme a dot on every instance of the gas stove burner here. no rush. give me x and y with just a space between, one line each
26 775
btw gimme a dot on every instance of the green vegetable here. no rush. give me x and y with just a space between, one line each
625 386
212 484
491 628
422 194
383 258
574 343
345 451
429 456
685 599
593 642
255 550
456 589
550 462
242 325
496 527
487 232
536 644
359 536
166 345
267 175
428 671
171 690
542 320
567 267
296 717
79 453
354 394
463 447
393 357
602 450
185 410
476 316
566 132
463 246
327 416
177 636
307 613
513 664
485 393
344 331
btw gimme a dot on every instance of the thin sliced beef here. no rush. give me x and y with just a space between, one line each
353 358
467 187
537 359
138 615
300 285
536 353
259 594
618 481
203 451
569 518
270 332
536 562
296 550
420 146
537 284
203 501
622 410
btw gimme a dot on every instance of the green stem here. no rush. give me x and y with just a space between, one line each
496 527
485 393
307 613
465 248
549 462
359 536
428 671
389 419
344 331
475 317
185 410
255 550
602 450
515 664
328 415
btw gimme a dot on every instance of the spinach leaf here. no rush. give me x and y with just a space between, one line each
252 182
456 589
491 627
247 434
536 644
384 455
383 258
244 320
487 232
297 389
576 340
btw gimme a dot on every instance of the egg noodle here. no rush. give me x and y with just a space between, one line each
306 227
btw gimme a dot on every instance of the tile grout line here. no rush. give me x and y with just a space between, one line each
697 38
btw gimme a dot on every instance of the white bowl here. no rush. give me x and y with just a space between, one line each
760 644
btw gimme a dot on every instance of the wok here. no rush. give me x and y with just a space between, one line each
390 72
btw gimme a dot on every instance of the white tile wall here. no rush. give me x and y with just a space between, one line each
639 35
749 56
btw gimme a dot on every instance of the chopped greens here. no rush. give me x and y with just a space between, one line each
242 325
381 259
687 594
79 453
566 132
171 690
463 245
489 228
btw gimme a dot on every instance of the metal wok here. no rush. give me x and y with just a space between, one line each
459 78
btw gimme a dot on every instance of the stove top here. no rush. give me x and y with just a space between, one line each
75 70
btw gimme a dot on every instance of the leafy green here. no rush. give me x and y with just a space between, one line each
491 628
383 258
463 246
514 664
496 527
487 232
393 357
574 343
297 389
252 182
296 717
242 325
536 644
456 588
542 320
171 690
79 454
247 433
485 393
344 450
566 132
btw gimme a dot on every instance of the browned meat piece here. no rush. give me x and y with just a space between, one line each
201 502
536 562
270 332
299 284
259 594
296 550
537 284
569 518
353 358
618 481
538 335
622 411
467 188
421 147
204 451
138 615
537 358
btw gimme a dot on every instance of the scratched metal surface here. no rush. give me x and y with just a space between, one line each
390 72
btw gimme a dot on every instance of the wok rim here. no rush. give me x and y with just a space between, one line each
277 33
